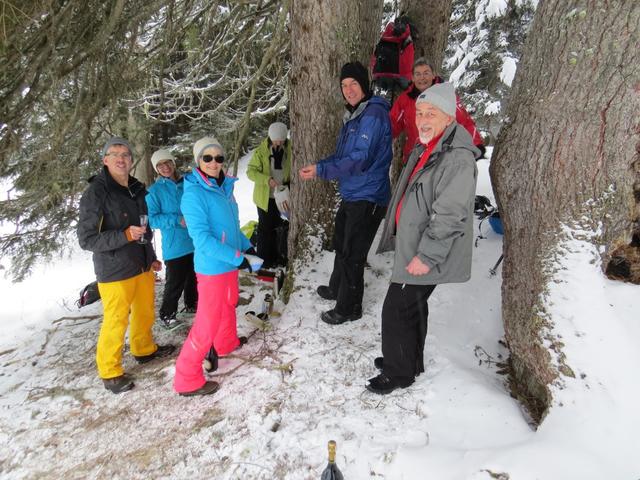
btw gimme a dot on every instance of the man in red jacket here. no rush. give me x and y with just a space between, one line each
403 112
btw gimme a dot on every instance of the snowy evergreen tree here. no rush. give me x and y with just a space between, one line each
485 45
159 73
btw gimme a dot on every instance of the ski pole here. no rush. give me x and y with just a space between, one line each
492 271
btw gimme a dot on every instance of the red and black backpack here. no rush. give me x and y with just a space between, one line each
392 59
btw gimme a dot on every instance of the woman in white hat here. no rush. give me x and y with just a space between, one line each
211 213
270 170
163 202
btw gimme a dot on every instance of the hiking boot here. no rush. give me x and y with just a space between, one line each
378 362
207 389
334 318
325 292
383 385
120 384
161 352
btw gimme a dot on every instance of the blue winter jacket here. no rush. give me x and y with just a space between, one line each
163 202
211 213
363 154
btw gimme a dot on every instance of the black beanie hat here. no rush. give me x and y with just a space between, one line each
358 72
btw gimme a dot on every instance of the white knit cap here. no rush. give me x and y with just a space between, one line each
278 132
204 143
160 156
442 96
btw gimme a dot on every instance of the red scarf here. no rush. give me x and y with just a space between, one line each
419 166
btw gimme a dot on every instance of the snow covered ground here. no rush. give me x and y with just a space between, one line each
291 389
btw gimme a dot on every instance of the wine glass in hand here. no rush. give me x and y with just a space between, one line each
144 220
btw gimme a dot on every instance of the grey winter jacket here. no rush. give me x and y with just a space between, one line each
436 220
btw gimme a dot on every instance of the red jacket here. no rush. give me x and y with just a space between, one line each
403 118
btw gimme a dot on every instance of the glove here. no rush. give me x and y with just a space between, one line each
245 265
251 251
483 151
255 262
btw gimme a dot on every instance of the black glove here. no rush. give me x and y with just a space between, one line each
251 251
483 151
245 265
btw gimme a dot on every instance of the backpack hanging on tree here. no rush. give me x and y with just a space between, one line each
392 59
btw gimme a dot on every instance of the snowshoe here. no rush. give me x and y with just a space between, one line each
260 321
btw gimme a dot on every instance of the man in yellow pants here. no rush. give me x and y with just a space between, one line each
112 225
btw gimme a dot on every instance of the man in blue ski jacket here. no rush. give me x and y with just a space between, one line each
360 164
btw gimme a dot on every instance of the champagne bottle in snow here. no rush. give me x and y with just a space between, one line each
332 472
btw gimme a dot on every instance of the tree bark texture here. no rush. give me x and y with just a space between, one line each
432 24
567 156
369 16
323 37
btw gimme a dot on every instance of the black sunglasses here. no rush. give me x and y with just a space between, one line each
217 158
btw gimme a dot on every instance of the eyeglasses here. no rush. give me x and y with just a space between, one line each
124 156
209 158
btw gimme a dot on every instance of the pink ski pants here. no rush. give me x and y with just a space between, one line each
214 324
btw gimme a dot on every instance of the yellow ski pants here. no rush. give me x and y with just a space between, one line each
135 295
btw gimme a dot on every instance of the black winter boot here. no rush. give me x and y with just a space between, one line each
120 384
383 384
325 292
161 352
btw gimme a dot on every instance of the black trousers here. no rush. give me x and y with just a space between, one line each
180 278
268 223
355 226
405 314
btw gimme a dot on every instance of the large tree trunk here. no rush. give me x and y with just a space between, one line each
569 156
369 16
432 23
324 36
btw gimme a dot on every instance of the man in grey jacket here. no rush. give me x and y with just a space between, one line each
429 223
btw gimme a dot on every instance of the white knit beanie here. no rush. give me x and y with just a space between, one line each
442 96
160 156
278 132
204 143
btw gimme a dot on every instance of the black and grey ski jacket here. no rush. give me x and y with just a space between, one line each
106 210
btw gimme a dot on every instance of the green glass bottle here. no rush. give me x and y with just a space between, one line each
332 472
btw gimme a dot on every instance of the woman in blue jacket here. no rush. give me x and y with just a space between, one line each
211 213
163 202
360 164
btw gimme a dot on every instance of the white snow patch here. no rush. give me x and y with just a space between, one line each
492 108
508 72
495 8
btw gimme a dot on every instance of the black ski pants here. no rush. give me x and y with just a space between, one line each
405 314
268 223
355 226
180 278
